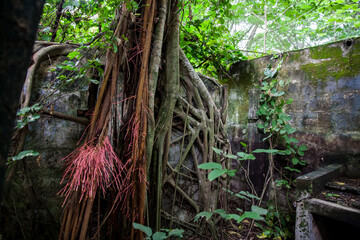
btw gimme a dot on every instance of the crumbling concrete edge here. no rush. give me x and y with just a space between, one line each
307 186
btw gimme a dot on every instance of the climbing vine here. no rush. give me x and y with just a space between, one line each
276 125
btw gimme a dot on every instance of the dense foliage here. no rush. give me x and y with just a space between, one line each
214 34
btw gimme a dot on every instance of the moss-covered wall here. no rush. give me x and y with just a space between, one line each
325 85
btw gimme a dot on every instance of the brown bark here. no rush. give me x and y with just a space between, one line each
140 119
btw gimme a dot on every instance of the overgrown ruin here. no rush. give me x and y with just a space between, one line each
325 86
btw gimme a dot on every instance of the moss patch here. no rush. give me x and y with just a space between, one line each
335 68
294 56
323 52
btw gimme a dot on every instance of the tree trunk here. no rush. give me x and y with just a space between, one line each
18 26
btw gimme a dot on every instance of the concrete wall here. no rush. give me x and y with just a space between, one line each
33 198
325 86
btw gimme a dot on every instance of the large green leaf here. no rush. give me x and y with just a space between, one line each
210 165
159 236
251 215
259 210
216 173
221 212
143 228
207 215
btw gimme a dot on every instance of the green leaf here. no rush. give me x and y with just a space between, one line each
231 156
282 182
242 197
218 151
94 81
302 162
289 129
295 161
292 169
23 111
159 236
268 73
23 154
278 94
293 140
241 154
303 148
216 173
115 48
251 215
210 165
265 150
287 118
36 107
247 194
73 55
243 144
249 157
287 151
348 19
273 123
231 173
220 211
176 232
207 215
145 229
289 101
236 217
47 29
270 135
259 210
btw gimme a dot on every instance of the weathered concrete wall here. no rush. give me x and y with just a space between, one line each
34 198
325 86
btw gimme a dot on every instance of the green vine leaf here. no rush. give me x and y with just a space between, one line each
231 156
218 151
292 169
259 210
210 165
259 150
207 215
22 155
216 173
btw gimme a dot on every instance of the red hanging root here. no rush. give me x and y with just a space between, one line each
91 167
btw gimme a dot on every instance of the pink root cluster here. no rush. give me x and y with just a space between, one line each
92 167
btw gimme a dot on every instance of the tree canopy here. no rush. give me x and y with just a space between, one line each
215 33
